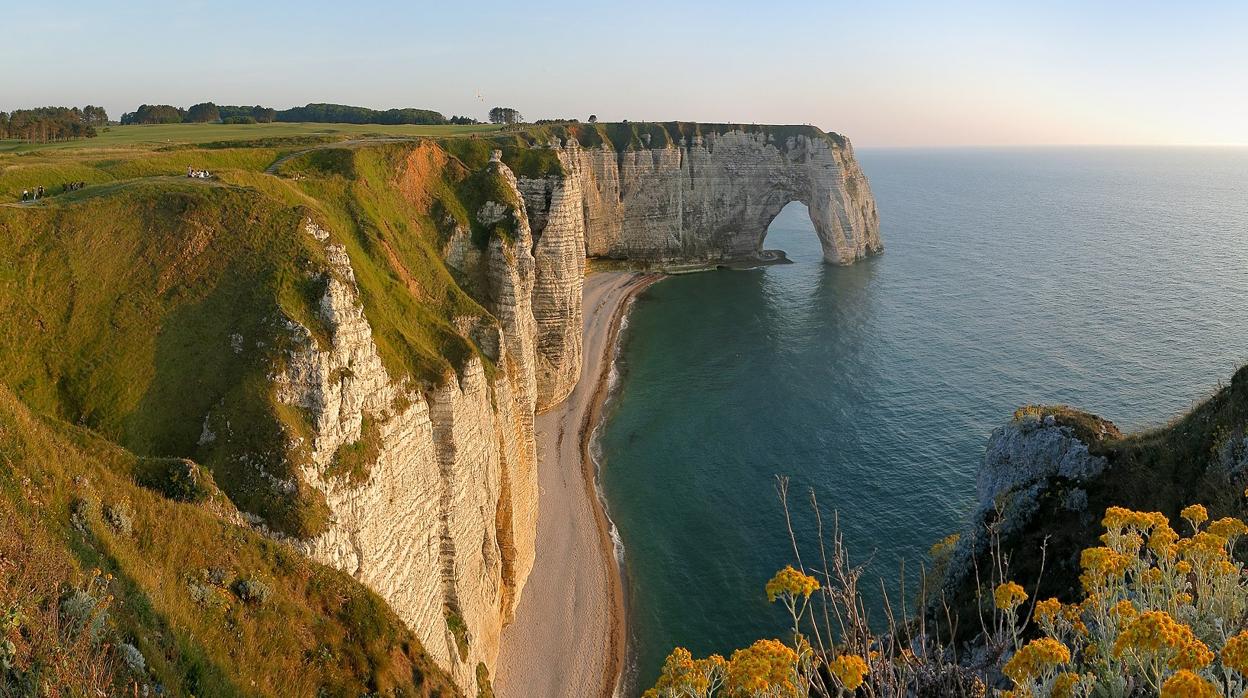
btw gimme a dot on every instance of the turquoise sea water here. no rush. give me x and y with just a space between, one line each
1112 279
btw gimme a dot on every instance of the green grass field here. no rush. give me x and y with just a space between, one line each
157 135
124 153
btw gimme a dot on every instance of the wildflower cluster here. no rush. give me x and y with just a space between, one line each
1160 611
768 668
849 669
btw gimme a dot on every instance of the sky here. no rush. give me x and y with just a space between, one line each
883 73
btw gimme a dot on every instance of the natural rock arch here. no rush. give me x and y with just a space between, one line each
710 198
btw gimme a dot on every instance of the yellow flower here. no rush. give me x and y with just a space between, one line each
1156 633
1124 610
1065 685
1047 610
1185 684
1035 659
1191 654
1228 527
1008 596
849 670
1101 566
1235 653
1162 540
790 582
684 675
767 665
1195 515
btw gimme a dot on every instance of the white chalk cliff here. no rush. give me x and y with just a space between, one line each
443 523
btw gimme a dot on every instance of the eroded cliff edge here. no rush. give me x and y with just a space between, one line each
355 338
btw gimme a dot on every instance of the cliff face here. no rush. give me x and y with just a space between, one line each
442 524
432 489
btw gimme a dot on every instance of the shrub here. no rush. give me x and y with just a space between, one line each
132 657
253 591
119 517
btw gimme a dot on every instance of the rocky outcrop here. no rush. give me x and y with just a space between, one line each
556 213
1028 451
1043 453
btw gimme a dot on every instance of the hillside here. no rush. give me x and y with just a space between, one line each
121 571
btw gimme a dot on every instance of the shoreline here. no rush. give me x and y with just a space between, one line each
568 637
618 633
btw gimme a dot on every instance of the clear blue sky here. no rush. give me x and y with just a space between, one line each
947 73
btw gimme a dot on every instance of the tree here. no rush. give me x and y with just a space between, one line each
593 118
203 113
48 124
344 114
95 116
4 125
505 115
154 114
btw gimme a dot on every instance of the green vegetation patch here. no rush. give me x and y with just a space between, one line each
459 630
354 461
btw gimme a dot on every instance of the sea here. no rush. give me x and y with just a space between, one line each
1112 279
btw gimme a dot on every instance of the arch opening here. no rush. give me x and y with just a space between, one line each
791 237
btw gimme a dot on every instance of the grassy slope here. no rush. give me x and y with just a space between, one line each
317 631
121 306
123 300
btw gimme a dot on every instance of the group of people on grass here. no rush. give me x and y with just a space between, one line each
39 192
198 174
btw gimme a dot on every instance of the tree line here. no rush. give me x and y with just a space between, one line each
206 112
45 124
